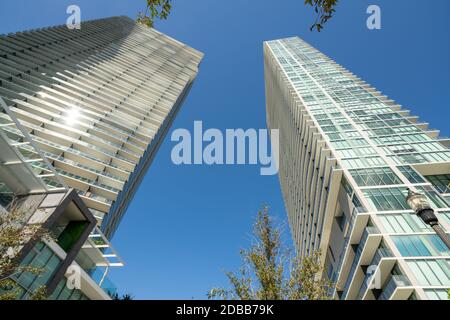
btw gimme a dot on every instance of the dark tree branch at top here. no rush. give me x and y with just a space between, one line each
324 10
160 9
155 9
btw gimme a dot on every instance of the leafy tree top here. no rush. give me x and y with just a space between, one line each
270 272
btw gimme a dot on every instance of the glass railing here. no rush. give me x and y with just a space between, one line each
99 215
111 143
94 197
368 231
109 287
109 134
113 128
70 138
51 183
396 281
87 144
79 178
15 136
65 148
103 282
82 166
76 164
345 247
380 254
101 140
118 156
106 124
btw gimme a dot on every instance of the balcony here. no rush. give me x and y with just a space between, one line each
17 165
365 252
354 231
97 251
397 288
383 262
104 282
444 140
96 257
345 246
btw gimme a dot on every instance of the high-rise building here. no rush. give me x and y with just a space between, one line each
348 155
86 109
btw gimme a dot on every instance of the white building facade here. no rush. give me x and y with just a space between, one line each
96 103
348 154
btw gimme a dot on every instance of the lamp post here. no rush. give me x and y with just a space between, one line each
419 203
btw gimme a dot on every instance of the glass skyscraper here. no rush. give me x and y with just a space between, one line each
348 154
96 103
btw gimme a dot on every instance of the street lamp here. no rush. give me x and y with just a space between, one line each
419 203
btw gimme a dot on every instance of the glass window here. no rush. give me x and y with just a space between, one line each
355 152
403 223
341 221
40 257
420 245
363 162
358 204
438 294
435 200
445 216
431 272
410 246
389 199
347 187
410 174
440 182
58 289
437 244
375 177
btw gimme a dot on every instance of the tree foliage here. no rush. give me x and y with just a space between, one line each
154 9
15 233
124 297
271 272
161 9
324 10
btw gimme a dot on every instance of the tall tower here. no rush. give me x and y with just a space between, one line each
348 154
98 101
84 113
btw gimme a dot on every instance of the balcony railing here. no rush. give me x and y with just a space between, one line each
396 281
27 179
97 256
346 242
104 282
380 254
342 256
368 231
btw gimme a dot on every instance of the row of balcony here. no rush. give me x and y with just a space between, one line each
371 268
371 274
357 260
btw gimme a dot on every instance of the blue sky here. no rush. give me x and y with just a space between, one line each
187 224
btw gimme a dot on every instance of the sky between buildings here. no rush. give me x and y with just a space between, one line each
187 224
